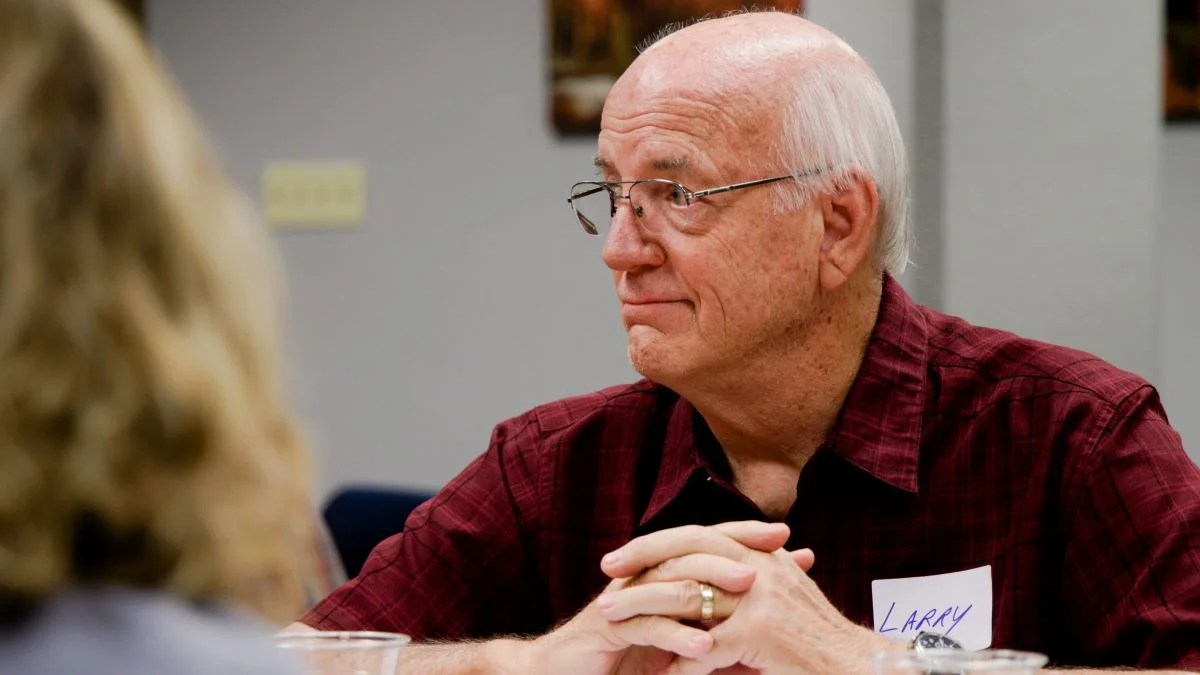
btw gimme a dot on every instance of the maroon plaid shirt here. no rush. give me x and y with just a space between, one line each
957 447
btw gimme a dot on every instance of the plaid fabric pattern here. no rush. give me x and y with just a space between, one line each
958 446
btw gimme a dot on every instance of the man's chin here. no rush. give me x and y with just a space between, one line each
652 355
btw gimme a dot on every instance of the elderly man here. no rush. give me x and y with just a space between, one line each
956 484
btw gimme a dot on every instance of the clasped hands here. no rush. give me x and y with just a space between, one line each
768 615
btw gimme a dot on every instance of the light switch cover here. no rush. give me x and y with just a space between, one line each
314 194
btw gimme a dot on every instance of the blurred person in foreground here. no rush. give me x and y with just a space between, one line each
753 199
153 483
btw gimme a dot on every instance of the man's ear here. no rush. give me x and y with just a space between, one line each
850 216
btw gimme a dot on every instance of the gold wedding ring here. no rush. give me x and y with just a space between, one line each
708 603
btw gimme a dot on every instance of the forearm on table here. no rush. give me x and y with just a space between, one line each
493 657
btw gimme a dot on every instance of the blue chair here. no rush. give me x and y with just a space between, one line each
359 517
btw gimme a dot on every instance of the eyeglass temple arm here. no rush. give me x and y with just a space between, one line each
739 186
593 191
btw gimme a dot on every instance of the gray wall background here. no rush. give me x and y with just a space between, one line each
1052 158
470 295
1179 270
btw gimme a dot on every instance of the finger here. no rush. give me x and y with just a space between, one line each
675 599
720 656
662 633
719 571
686 666
652 549
756 535
804 558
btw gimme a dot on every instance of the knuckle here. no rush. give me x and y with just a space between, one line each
695 532
688 592
665 568
632 624
630 629
654 630
680 633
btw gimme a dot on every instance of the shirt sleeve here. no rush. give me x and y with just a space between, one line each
462 567
1131 578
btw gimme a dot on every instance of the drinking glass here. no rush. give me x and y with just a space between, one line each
345 652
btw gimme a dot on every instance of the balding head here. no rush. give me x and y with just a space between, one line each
790 90
752 55
749 37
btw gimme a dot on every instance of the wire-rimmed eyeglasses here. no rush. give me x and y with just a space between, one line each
655 201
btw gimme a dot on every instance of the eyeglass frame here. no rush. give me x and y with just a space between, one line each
689 196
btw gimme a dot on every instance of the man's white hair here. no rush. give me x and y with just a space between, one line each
838 121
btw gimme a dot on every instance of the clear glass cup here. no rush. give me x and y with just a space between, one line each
956 662
345 652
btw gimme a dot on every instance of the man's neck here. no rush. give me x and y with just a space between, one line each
781 407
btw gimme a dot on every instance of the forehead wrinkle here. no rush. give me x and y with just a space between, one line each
708 126
684 112
716 111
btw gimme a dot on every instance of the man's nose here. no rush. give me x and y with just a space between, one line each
626 245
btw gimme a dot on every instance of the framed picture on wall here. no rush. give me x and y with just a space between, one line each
1181 61
594 41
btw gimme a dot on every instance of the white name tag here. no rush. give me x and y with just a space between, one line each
957 605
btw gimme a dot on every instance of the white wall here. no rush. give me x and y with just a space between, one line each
1051 140
1179 246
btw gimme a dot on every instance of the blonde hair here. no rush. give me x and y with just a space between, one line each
144 436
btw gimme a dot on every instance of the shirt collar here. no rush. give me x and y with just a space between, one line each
879 427
681 458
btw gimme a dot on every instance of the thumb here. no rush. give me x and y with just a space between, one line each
804 558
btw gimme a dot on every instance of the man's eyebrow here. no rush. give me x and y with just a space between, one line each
670 164
603 166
